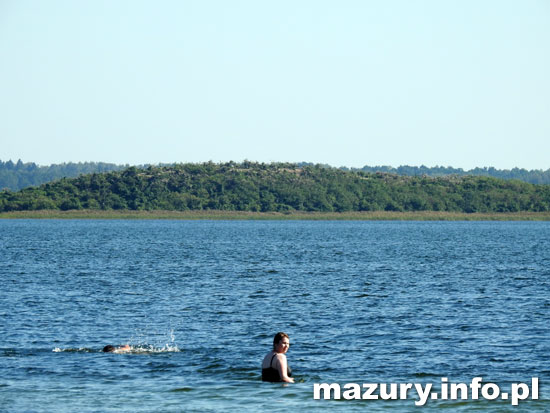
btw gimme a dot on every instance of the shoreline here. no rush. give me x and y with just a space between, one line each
280 216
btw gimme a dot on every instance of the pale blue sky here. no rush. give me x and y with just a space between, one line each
348 83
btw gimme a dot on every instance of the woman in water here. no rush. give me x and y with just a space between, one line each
274 366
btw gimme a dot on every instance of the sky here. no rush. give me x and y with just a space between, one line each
346 83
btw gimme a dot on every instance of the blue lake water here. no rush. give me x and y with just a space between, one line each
200 301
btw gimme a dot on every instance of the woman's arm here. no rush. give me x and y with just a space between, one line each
282 367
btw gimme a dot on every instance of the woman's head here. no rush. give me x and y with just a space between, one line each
281 342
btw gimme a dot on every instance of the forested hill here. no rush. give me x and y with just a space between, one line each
19 175
277 187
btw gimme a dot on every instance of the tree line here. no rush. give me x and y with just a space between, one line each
19 175
282 187
535 176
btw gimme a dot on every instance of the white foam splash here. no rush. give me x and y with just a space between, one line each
152 349
154 342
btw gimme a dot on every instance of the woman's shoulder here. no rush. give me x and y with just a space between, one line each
272 356
268 357
280 356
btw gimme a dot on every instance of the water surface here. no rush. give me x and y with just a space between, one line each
201 300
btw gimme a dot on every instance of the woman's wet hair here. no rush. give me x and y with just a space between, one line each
278 337
109 349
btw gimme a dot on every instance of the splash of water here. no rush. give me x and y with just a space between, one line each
154 341
139 349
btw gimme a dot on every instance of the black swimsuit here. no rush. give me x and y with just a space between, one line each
272 374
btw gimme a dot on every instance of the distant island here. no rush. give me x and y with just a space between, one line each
277 188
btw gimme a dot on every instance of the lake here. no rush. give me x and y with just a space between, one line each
200 302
